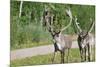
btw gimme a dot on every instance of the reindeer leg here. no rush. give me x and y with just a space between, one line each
85 52
88 52
91 52
67 55
62 56
81 53
81 50
55 50
54 54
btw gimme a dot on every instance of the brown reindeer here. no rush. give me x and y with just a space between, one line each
61 42
84 41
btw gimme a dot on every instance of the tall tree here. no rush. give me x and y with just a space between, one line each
21 4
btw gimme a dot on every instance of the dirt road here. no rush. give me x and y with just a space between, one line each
29 52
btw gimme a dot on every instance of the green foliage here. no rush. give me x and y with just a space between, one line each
28 28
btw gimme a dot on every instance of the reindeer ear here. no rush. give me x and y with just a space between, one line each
58 32
46 12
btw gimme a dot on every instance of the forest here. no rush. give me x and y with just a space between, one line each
28 31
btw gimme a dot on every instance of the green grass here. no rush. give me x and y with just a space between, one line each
29 45
74 57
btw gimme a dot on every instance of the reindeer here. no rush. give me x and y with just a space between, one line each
61 42
84 41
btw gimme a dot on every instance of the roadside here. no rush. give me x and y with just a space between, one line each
29 52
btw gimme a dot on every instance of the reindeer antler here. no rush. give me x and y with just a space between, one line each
77 25
91 26
48 20
69 13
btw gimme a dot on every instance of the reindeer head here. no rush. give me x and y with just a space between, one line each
49 23
83 38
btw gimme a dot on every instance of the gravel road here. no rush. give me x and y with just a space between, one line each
29 52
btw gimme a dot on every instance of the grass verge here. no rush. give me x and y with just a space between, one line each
74 57
29 45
